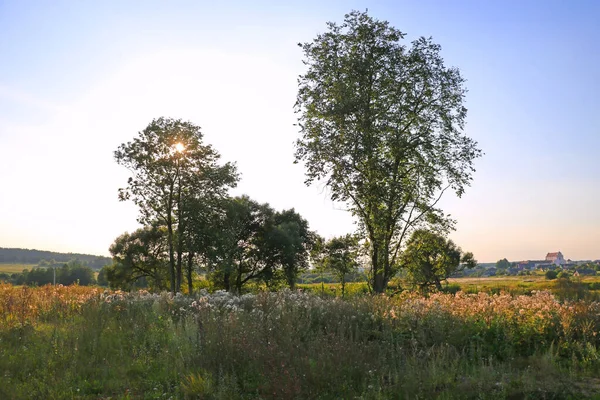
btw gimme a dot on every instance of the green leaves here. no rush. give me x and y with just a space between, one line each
175 178
381 124
253 242
340 256
430 258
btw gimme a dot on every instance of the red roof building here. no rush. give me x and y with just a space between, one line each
555 258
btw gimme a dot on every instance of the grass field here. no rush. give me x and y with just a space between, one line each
88 343
12 268
575 288
533 282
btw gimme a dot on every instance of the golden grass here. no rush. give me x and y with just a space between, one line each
13 268
533 282
22 305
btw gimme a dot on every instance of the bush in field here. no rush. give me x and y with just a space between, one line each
551 274
563 275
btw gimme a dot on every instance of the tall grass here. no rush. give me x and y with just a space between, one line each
290 345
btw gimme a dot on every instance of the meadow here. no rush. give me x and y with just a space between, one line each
14 268
573 288
521 284
87 343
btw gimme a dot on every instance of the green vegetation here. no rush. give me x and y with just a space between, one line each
176 183
63 274
339 256
181 191
71 343
430 258
381 125
551 274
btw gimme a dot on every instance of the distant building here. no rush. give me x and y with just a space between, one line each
528 264
555 258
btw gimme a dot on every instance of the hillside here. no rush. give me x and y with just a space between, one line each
27 256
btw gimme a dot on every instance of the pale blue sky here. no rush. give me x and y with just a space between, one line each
79 78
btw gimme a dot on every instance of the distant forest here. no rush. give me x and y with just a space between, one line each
26 256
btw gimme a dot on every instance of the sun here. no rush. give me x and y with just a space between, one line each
179 147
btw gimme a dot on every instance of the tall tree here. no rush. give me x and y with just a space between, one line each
381 123
430 258
170 166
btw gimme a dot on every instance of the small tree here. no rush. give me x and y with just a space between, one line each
503 264
430 258
339 255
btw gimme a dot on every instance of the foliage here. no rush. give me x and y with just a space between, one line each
173 172
256 243
381 123
430 258
142 254
340 256
73 272
563 275
503 264
102 280
551 274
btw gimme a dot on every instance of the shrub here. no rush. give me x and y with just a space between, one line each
551 274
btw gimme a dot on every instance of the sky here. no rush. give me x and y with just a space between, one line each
77 79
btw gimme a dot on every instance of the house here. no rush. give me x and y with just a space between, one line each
555 258
528 264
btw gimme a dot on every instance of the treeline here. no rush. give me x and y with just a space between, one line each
27 256
236 243
73 272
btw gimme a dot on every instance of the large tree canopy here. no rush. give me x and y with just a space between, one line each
256 243
430 258
173 172
142 254
381 123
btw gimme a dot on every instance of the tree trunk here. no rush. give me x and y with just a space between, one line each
179 270
190 267
226 280
378 272
291 279
180 229
171 250
238 281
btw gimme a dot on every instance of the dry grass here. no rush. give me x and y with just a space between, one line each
22 305
15 268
